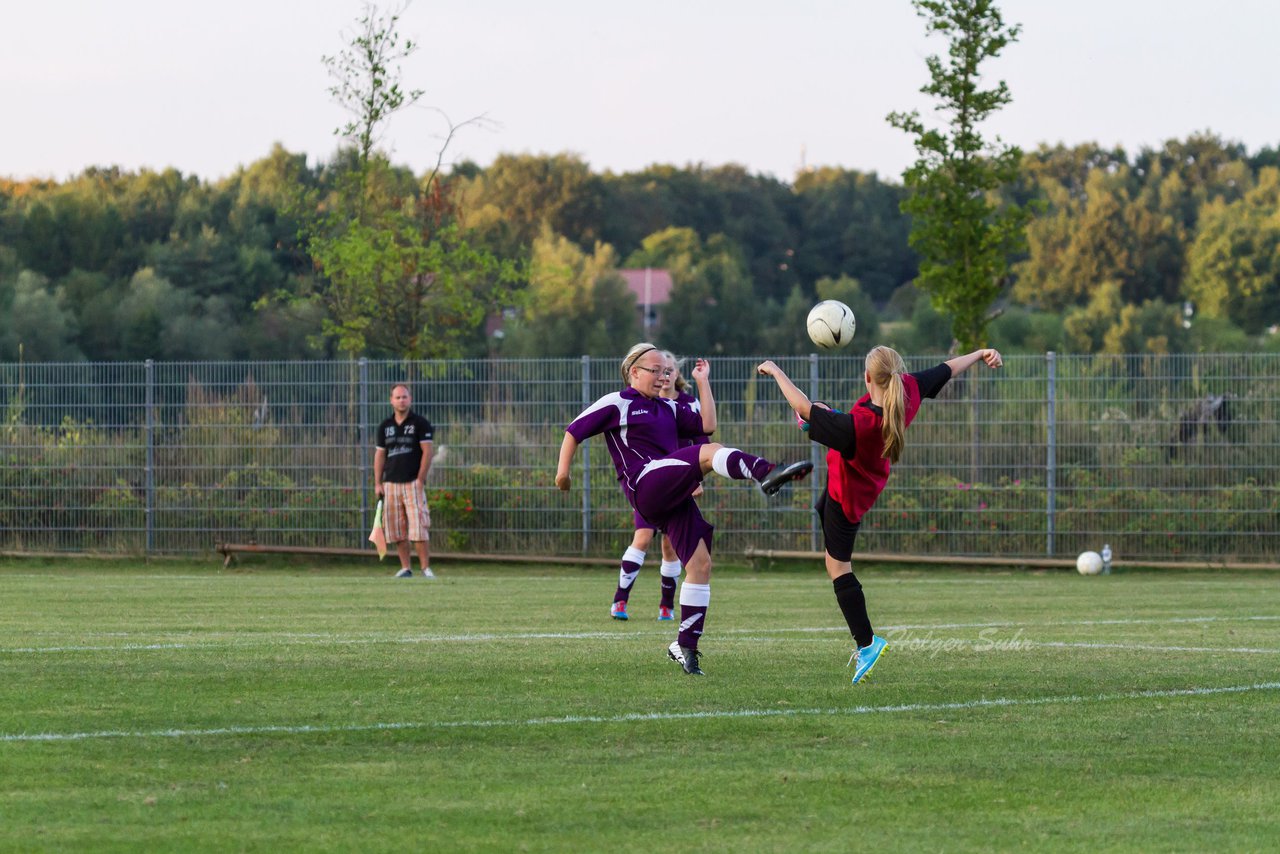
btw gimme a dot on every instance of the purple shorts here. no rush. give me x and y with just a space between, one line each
642 522
664 497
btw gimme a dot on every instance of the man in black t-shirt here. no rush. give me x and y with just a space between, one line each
400 466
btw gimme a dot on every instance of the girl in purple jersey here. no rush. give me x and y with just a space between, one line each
677 389
643 432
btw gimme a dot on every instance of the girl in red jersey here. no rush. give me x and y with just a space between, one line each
863 443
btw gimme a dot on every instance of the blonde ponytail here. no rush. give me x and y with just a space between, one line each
886 369
895 419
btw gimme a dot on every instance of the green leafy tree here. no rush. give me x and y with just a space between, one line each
366 79
710 286
1021 330
1181 176
407 293
1235 259
34 322
149 318
575 304
851 224
787 337
1153 326
1107 324
1085 327
398 277
1081 242
670 248
756 212
926 330
508 204
964 236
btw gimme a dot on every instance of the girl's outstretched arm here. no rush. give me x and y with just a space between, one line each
960 364
799 400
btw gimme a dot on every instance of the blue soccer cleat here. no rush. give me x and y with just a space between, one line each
618 610
864 658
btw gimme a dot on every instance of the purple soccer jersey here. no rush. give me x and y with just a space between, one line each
643 435
637 431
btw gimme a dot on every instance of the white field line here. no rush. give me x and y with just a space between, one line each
982 703
932 643
991 643
318 639
1246 650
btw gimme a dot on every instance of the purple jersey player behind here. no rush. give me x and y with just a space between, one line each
633 558
643 432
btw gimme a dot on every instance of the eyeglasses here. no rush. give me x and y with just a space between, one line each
665 373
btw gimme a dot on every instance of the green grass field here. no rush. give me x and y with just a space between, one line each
179 706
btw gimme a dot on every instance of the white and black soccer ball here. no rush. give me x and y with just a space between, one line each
1089 563
830 324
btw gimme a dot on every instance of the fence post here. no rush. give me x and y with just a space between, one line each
362 432
586 459
150 473
815 455
1051 450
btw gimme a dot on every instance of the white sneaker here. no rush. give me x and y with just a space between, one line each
405 573
427 573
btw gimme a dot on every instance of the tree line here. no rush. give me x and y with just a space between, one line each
1176 248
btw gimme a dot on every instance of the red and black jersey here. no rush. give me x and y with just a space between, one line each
857 469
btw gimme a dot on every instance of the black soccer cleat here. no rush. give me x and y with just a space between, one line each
780 475
690 663
685 657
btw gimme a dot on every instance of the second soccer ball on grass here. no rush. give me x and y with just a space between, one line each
1089 563
830 324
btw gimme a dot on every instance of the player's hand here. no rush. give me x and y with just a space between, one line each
992 357
377 489
701 370
697 491
766 368
563 481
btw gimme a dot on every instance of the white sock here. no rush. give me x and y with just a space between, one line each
698 595
720 461
671 568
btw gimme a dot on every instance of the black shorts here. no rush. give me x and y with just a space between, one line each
838 533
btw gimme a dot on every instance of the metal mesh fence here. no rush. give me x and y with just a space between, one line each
1162 457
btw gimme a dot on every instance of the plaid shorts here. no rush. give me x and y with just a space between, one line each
404 512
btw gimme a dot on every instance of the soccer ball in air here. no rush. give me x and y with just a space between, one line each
1089 563
830 324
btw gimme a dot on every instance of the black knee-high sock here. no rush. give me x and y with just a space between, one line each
854 607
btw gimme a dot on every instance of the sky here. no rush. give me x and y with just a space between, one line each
207 87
